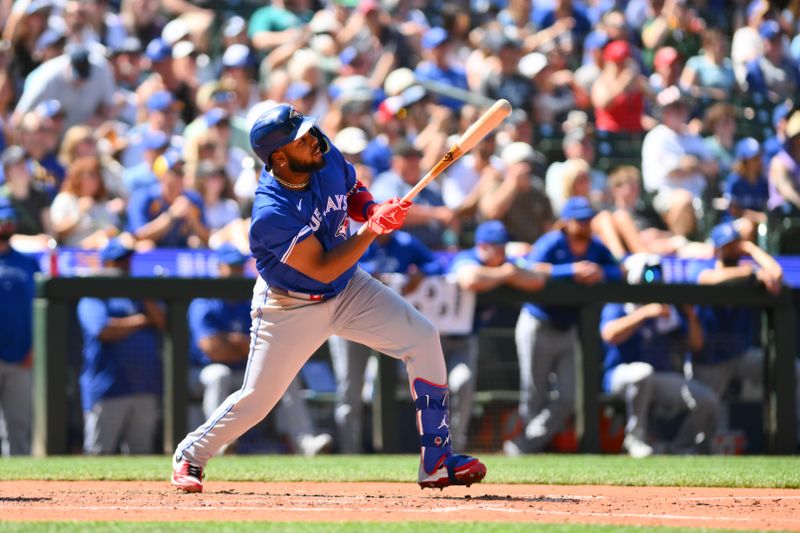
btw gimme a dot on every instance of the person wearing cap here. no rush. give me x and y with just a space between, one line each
16 330
428 217
81 81
589 71
275 24
237 69
26 194
183 90
618 93
80 213
436 66
784 172
25 22
166 213
309 288
352 142
38 138
120 377
155 143
640 343
710 76
516 196
479 269
774 143
509 83
546 335
219 331
746 187
732 349
667 68
49 45
676 165
160 109
578 144
398 252
772 76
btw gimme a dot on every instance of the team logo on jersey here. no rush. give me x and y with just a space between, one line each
342 231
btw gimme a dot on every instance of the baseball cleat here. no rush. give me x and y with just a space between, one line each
454 470
187 477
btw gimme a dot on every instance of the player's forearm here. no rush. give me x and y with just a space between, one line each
156 228
482 278
620 330
220 350
764 260
119 328
724 275
527 280
310 258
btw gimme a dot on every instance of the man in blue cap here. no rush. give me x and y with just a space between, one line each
309 288
746 188
479 269
731 349
641 343
772 76
546 335
16 329
121 374
220 343
436 66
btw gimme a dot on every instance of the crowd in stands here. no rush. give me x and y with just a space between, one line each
638 127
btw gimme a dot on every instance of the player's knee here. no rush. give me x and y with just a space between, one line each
215 374
426 333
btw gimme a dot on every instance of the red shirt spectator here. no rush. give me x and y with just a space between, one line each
618 93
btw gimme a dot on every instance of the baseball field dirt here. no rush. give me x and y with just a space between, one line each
733 508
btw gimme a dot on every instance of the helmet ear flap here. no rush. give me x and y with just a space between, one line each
324 145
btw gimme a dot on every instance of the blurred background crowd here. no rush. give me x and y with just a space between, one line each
124 127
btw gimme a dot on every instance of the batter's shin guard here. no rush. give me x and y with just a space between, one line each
433 422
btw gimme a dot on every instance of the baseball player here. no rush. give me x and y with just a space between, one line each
310 288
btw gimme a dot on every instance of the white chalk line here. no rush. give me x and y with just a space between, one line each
449 509
771 497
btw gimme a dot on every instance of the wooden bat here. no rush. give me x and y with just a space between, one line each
474 134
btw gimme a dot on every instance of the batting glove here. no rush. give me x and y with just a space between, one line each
388 216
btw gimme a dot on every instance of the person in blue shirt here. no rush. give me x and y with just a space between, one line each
220 342
746 188
730 349
436 66
310 287
155 143
16 329
393 253
120 379
638 340
546 335
166 213
479 269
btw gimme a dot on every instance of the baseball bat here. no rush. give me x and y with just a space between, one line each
474 134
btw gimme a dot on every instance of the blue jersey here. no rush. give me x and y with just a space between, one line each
398 254
553 248
283 218
728 331
208 317
648 344
130 365
147 203
484 313
16 305
746 195
453 76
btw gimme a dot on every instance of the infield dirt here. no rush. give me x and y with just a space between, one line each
773 509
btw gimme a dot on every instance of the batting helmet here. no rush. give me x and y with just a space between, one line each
280 126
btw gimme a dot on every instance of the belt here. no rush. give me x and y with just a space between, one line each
300 295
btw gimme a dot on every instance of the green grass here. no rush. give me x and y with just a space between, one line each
327 527
699 471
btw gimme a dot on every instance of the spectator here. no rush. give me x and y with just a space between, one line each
121 376
216 189
479 269
352 142
437 66
142 19
747 188
619 92
771 77
729 350
675 24
16 330
25 24
578 146
552 79
586 75
676 165
509 83
428 217
276 24
162 66
546 335
81 141
82 82
161 115
220 334
709 77
639 366
155 143
571 41
667 66
81 214
774 144
784 172
26 194
396 253
237 68
33 139
720 122
166 214
747 44
516 196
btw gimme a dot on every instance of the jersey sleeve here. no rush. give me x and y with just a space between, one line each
278 231
611 312
137 210
201 319
92 315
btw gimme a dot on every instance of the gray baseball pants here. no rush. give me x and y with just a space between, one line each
547 379
286 331
15 409
125 423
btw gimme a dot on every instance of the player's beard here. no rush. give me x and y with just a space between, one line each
303 167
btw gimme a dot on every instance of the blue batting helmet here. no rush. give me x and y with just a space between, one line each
280 126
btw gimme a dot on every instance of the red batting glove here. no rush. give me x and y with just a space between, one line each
388 216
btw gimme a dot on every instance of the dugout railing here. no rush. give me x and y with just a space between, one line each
56 296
